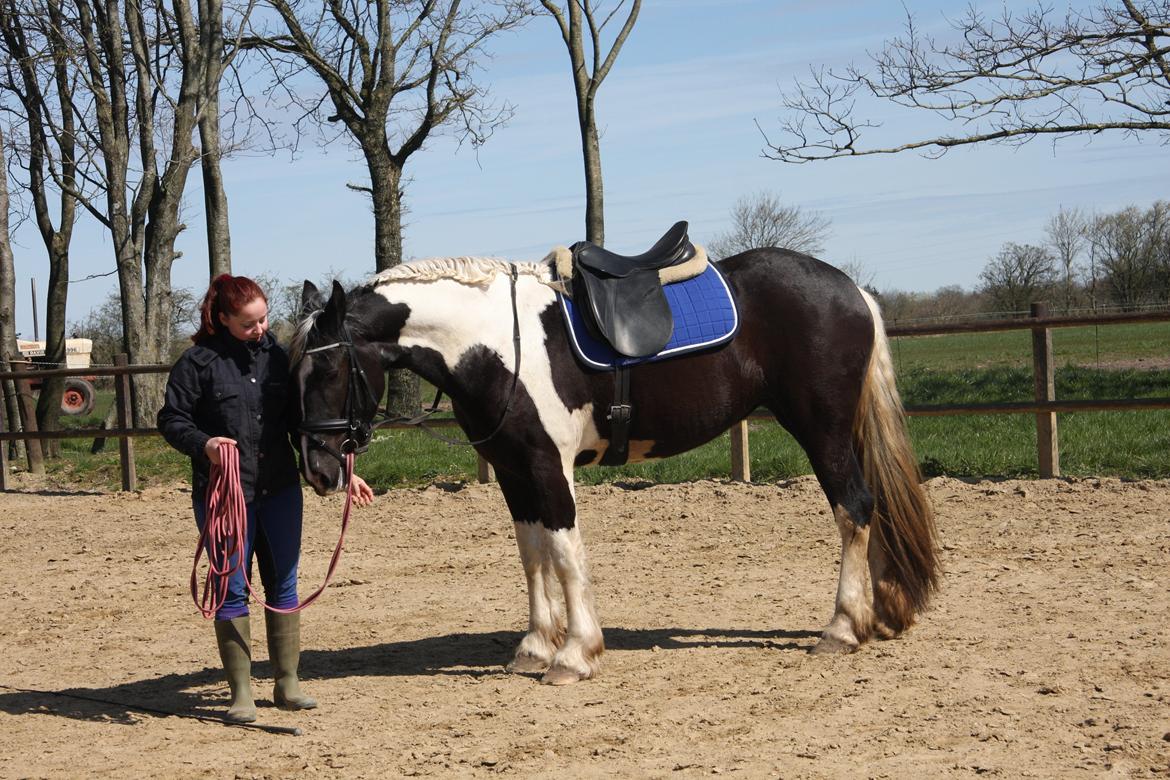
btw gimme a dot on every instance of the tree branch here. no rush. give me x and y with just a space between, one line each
1006 81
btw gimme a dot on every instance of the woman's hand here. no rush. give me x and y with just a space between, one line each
363 494
211 449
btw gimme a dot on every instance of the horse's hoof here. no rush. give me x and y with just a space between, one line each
829 645
525 663
561 676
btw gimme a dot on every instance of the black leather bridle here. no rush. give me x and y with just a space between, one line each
358 433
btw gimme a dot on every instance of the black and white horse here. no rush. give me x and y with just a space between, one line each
810 347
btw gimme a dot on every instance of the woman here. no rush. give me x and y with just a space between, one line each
232 387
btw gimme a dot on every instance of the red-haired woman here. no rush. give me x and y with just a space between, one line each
232 387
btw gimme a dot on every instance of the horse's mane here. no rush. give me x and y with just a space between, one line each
296 346
465 270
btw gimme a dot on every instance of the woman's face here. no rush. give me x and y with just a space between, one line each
250 323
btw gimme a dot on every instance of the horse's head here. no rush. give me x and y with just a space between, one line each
340 379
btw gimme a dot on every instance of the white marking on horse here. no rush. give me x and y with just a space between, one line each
852 615
452 318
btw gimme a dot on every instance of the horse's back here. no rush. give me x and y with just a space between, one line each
803 285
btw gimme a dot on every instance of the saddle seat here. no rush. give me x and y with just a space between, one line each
673 248
622 296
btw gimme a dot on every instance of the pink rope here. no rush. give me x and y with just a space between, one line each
225 532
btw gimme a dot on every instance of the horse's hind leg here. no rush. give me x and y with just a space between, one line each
830 451
852 618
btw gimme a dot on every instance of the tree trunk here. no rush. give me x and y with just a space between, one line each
219 250
594 191
159 256
581 17
7 304
219 245
49 398
386 193
402 387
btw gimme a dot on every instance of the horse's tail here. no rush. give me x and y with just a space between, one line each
903 545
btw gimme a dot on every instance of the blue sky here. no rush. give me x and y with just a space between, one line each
679 141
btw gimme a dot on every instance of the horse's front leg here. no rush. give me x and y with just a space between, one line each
579 658
546 631
544 513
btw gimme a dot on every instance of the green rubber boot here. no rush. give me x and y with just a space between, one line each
234 638
284 650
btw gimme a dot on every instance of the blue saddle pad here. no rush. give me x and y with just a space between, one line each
704 312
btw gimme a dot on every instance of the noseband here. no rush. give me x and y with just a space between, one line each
358 433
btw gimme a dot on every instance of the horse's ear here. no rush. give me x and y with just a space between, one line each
337 298
311 299
335 308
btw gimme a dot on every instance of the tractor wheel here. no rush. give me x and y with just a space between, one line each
79 397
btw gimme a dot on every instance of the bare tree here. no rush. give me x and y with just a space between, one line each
762 220
1019 275
147 71
1066 237
38 79
392 73
1005 79
587 78
946 303
136 100
205 52
8 351
1130 251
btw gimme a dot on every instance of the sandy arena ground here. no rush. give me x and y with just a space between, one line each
1047 653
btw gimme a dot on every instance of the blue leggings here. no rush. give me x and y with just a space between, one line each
274 537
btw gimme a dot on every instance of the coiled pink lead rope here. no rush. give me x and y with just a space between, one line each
225 533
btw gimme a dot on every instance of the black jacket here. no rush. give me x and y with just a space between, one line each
226 387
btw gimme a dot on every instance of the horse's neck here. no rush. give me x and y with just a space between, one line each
450 318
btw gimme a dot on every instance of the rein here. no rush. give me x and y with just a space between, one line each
225 534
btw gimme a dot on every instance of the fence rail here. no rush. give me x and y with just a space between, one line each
1045 405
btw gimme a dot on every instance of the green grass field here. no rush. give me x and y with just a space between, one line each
1093 363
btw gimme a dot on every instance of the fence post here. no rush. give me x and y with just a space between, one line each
741 456
483 470
28 418
3 452
1043 372
125 443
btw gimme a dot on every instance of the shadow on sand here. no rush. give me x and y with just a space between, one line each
474 655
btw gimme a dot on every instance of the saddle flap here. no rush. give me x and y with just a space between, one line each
631 313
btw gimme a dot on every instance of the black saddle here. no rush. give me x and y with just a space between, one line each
622 296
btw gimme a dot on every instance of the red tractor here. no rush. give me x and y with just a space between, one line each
79 396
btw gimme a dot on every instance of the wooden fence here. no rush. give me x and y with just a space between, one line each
1045 405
